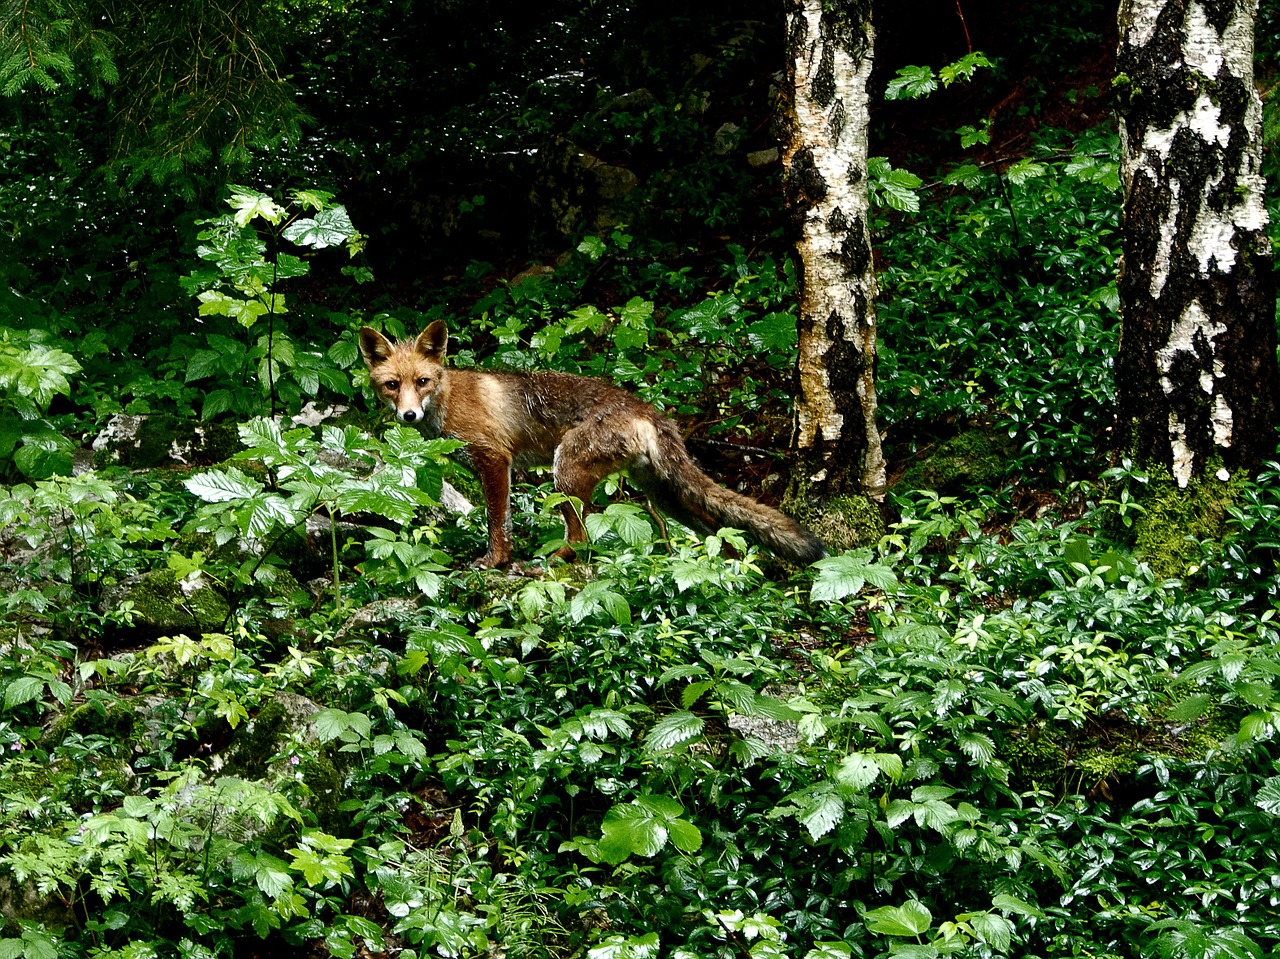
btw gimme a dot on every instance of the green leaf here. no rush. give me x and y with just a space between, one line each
24 689
685 836
138 807
222 485
288 266
272 875
820 810
910 919
327 228
911 83
963 69
1268 797
977 746
1191 708
890 764
694 691
775 333
42 456
894 188
672 730
829 950
993 929
615 844
249 203
592 247
1024 170
623 947
968 175
707 320
1006 903
857 771
661 806
312 199
215 403
845 575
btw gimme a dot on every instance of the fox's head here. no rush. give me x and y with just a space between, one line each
406 374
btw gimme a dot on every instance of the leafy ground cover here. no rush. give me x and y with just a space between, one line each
1003 730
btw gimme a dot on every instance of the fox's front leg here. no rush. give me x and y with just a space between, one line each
494 472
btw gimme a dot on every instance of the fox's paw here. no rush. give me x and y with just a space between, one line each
489 561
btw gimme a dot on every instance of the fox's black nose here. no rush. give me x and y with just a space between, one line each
409 416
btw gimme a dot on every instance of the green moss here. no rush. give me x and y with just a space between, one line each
162 604
846 522
263 738
114 720
324 782
1173 519
974 460
257 742
162 438
842 522
1036 756
1099 765
1105 753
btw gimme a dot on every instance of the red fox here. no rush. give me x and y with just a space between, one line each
582 428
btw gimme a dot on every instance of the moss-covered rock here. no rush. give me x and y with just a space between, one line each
842 522
114 719
973 460
845 522
144 442
312 775
162 604
1103 755
23 902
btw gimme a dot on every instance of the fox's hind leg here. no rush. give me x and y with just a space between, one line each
584 457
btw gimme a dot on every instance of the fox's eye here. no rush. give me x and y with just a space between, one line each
423 381
391 385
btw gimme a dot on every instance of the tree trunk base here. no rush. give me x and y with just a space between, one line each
1173 518
847 521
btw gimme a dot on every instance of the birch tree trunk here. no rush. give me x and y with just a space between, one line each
837 445
1196 372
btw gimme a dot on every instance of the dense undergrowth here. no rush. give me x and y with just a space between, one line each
997 732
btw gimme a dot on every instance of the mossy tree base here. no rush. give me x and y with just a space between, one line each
1172 519
847 521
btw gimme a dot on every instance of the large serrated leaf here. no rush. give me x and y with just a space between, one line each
1268 797
912 918
670 731
327 228
222 486
993 929
821 810
857 771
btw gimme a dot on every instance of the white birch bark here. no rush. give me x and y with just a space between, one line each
829 51
1196 372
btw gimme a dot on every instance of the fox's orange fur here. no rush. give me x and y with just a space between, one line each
584 429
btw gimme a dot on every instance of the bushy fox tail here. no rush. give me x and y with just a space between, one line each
679 488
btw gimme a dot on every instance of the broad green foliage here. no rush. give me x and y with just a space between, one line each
1000 307
389 478
996 733
173 89
649 732
32 373
241 284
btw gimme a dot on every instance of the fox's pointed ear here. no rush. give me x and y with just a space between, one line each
433 342
374 347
